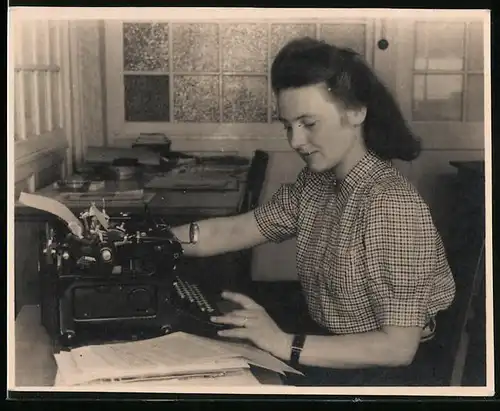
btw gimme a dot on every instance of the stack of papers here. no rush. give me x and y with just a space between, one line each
172 358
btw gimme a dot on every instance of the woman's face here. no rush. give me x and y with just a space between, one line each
318 129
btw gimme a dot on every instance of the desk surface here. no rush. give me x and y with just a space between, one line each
165 202
35 365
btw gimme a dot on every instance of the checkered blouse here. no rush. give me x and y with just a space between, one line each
368 253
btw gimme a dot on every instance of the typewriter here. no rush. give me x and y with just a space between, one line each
114 278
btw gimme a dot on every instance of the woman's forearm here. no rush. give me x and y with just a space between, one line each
365 350
221 235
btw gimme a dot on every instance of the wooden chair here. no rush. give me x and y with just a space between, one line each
464 321
255 181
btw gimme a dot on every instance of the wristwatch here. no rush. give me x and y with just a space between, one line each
194 233
297 346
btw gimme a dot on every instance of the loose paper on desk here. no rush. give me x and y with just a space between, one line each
53 207
99 370
171 355
253 355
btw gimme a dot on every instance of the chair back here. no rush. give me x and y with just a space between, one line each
255 180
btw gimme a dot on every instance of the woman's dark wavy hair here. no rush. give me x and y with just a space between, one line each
306 61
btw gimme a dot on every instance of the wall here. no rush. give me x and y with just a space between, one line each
89 60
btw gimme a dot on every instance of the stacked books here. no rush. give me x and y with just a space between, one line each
172 358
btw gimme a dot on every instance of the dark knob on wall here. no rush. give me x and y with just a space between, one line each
383 44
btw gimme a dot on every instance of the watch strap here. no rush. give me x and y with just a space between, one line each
297 346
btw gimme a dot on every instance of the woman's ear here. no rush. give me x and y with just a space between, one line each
357 116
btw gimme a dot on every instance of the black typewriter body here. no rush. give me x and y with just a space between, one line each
118 285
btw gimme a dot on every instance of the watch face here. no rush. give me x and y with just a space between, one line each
194 233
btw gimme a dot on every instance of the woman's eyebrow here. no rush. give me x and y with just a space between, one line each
301 117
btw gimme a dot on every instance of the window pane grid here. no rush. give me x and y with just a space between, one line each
234 100
37 74
35 83
457 78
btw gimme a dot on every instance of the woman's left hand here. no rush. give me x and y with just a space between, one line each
252 322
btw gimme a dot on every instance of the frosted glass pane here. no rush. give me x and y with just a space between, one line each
439 46
196 99
475 50
195 47
352 36
245 99
440 99
145 46
244 47
283 33
147 98
475 97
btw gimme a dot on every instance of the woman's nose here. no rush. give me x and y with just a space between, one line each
296 137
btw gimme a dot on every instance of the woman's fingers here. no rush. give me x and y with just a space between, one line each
242 333
236 320
241 299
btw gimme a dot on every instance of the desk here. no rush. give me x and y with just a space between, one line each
35 364
173 204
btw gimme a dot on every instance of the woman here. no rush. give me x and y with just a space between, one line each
369 258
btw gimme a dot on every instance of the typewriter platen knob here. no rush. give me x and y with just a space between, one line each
106 254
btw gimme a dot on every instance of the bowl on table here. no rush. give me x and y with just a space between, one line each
73 185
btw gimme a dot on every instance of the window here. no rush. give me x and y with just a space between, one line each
38 98
205 77
448 72
439 70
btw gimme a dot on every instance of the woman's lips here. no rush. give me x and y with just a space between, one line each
308 155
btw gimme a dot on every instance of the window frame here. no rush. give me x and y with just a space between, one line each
32 152
121 132
456 135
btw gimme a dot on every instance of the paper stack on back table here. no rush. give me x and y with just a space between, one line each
172 357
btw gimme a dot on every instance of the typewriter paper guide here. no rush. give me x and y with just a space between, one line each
53 207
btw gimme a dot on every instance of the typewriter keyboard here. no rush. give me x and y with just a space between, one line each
191 295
